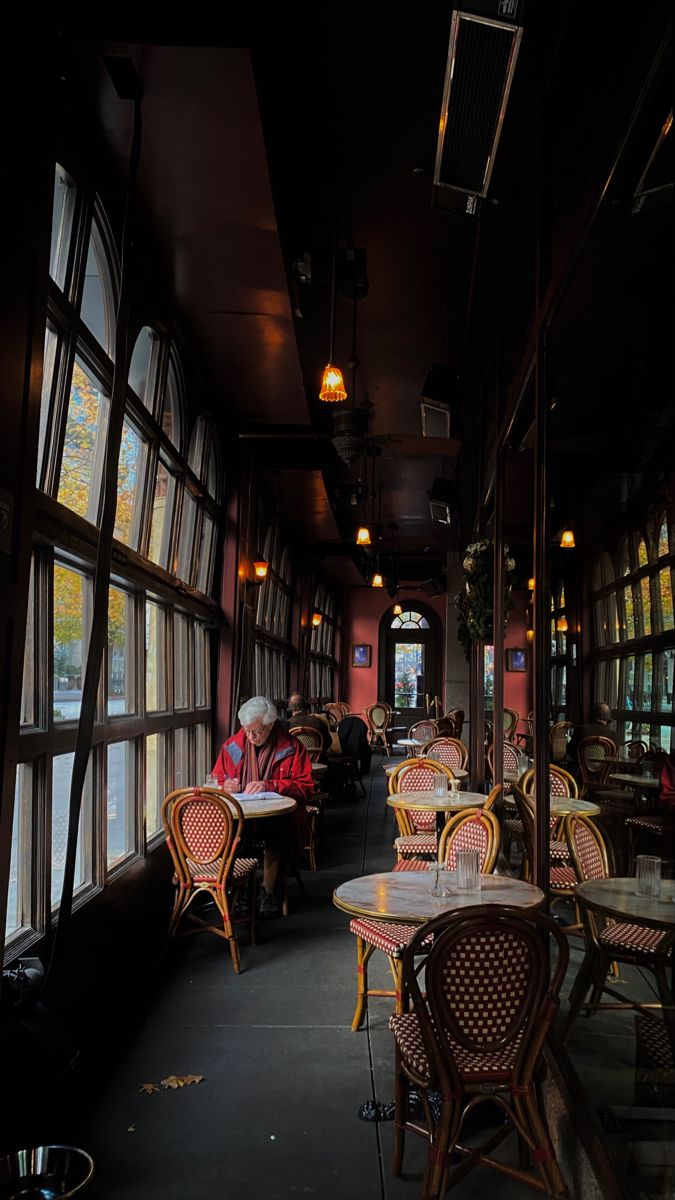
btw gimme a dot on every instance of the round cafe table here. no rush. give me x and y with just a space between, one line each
411 743
406 896
263 804
562 806
427 802
647 783
618 898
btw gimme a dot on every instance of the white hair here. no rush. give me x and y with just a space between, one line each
258 707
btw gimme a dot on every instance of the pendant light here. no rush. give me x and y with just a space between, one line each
397 610
333 389
567 541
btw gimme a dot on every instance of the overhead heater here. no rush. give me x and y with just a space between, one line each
484 42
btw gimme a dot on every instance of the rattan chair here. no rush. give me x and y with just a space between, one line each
511 719
203 829
313 743
336 711
447 750
472 829
609 941
417 830
562 876
561 784
378 719
478 1035
597 756
456 715
558 736
423 730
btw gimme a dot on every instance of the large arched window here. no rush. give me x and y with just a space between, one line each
153 725
634 632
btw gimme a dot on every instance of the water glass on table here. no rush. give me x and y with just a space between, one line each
440 787
468 871
648 875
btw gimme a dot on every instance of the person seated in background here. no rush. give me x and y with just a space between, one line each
598 726
299 714
263 757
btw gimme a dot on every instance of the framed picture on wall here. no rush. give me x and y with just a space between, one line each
361 655
516 660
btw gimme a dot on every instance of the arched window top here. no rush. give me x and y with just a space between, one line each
172 408
203 455
410 620
603 573
143 366
98 306
63 212
663 546
643 558
624 557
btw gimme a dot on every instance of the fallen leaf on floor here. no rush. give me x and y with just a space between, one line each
173 1081
131 1128
148 1088
193 1078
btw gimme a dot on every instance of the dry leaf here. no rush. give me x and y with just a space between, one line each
131 1128
193 1078
148 1088
172 1081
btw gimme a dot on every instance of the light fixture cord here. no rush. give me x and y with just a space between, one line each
333 289
354 363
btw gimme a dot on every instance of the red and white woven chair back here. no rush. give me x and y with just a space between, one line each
511 759
559 785
587 848
203 827
424 731
416 778
447 751
472 834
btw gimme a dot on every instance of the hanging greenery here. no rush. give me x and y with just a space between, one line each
474 602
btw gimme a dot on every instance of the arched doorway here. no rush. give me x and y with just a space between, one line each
410 661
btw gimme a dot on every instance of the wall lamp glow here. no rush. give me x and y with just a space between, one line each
317 618
260 571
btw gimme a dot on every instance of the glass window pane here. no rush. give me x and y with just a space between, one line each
171 416
182 775
72 596
143 365
154 782
84 447
62 772
612 683
49 360
206 555
204 758
629 632
666 595
155 658
63 210
645 699
130 478
629 683
181 632
121 657
19 889
663 538
646 605
664 681
613 618
186 539
197 448
642 553
28 710
120 808
162 513
201 665
213 474
408 674
95 309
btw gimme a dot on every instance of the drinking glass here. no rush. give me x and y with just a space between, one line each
441 787
648 875
468 874
210 781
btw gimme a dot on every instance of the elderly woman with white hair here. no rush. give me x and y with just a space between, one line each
263 757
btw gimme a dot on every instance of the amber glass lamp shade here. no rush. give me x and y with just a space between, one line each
567 540
530 584
377 580
397 610
260 570
561 624
529 634
332 385
363 536
317 618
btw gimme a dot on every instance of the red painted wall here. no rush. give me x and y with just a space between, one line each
364 608
518 684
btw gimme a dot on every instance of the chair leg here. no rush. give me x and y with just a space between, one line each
224 909
585 976
363 954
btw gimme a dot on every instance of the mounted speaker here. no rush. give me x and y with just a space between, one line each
442 500
484 43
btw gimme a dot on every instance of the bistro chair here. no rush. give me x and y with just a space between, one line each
447 750
559 735
335 711
635 750
471 829
609 941
203 830
313 743
597 756
456 715
424 731
562 876
477 1033
512 760
561 783
378 718
417 829
511 719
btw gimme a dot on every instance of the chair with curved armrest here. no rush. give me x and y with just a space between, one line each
417 830
203 830
313 743
378 719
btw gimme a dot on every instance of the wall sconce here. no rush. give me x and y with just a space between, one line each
529 634
363 536
377 580
567 539
530 584
260 571
317 618
561 624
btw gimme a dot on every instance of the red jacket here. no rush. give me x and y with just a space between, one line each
292 772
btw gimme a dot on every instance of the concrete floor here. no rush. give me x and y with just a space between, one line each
276 1115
